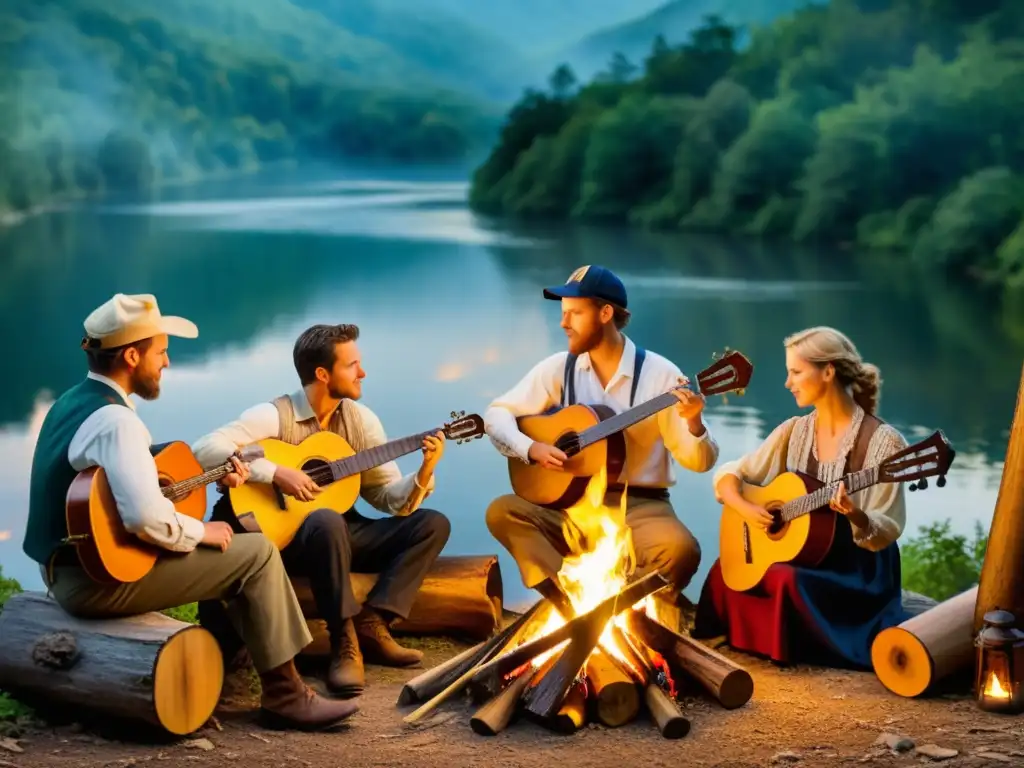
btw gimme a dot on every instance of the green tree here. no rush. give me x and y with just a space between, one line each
940 564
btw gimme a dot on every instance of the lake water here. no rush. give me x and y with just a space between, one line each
451 314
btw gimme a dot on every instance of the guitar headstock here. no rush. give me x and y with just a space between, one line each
730 372
248 453
927 458
463 428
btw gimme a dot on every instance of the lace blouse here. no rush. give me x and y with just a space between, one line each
791 444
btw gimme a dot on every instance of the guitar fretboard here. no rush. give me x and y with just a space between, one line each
374 457
191 483
809 502
625 419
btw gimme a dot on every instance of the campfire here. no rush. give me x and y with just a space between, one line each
606 652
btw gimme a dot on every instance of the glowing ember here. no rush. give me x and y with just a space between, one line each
994 689
600 569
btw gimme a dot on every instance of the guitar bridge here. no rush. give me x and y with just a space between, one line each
279 495
747 554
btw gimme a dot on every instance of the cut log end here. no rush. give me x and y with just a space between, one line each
665 713
902 662
736 689
187 680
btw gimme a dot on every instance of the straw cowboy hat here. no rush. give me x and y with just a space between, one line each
127 318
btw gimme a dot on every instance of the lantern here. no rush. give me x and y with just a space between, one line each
999 663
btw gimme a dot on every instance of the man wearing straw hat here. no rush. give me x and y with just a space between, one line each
95 424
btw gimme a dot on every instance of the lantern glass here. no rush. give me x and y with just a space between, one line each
1000 661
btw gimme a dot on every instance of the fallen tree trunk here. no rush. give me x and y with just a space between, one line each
728 682
460 596
149 667
911 658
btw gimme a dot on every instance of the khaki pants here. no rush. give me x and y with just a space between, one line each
539 538
249 577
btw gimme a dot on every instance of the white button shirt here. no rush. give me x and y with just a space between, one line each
650 444
115 438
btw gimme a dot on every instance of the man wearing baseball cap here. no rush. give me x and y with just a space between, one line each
95 424
601 366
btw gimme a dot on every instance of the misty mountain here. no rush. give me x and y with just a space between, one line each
674 21
540 26
453 51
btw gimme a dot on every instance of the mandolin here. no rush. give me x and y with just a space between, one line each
591 436
334 466
107 551
805 528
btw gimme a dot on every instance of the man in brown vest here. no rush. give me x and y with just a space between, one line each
329 546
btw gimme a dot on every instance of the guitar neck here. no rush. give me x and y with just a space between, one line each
191 483
625 419
374 457
809 502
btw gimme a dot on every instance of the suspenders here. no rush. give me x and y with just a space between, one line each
569 378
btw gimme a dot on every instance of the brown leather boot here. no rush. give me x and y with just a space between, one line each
345 675
287 702
377 643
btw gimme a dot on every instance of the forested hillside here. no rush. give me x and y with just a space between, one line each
889 124
674 21
122 93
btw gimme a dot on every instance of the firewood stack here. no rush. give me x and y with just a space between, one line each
606 665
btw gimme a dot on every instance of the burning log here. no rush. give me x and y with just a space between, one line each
492 718
729 683
572 715
634 593
547 697
435 681
616 696
911 658
499 667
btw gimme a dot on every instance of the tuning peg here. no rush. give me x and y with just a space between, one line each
912 487
453 415
741 392
923 484
941 482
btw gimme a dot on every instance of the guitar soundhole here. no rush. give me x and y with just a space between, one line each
569 443
315 469
778 527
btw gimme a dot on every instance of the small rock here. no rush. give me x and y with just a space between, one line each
995 756
10 745
935 752
895 743
204 744
786 757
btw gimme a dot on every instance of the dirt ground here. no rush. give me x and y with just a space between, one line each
798 716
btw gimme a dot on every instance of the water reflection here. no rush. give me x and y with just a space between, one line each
451 315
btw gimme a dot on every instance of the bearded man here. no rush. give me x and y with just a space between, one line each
601 366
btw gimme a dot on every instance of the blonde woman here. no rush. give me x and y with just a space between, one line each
832 612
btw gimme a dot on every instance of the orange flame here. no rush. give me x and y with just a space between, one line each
603 559
994 689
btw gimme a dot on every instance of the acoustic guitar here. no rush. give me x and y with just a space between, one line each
591 436
334 466
107 551
805 528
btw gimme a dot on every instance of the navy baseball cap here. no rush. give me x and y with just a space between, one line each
590 282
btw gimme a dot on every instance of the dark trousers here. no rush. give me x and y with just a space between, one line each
328 547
